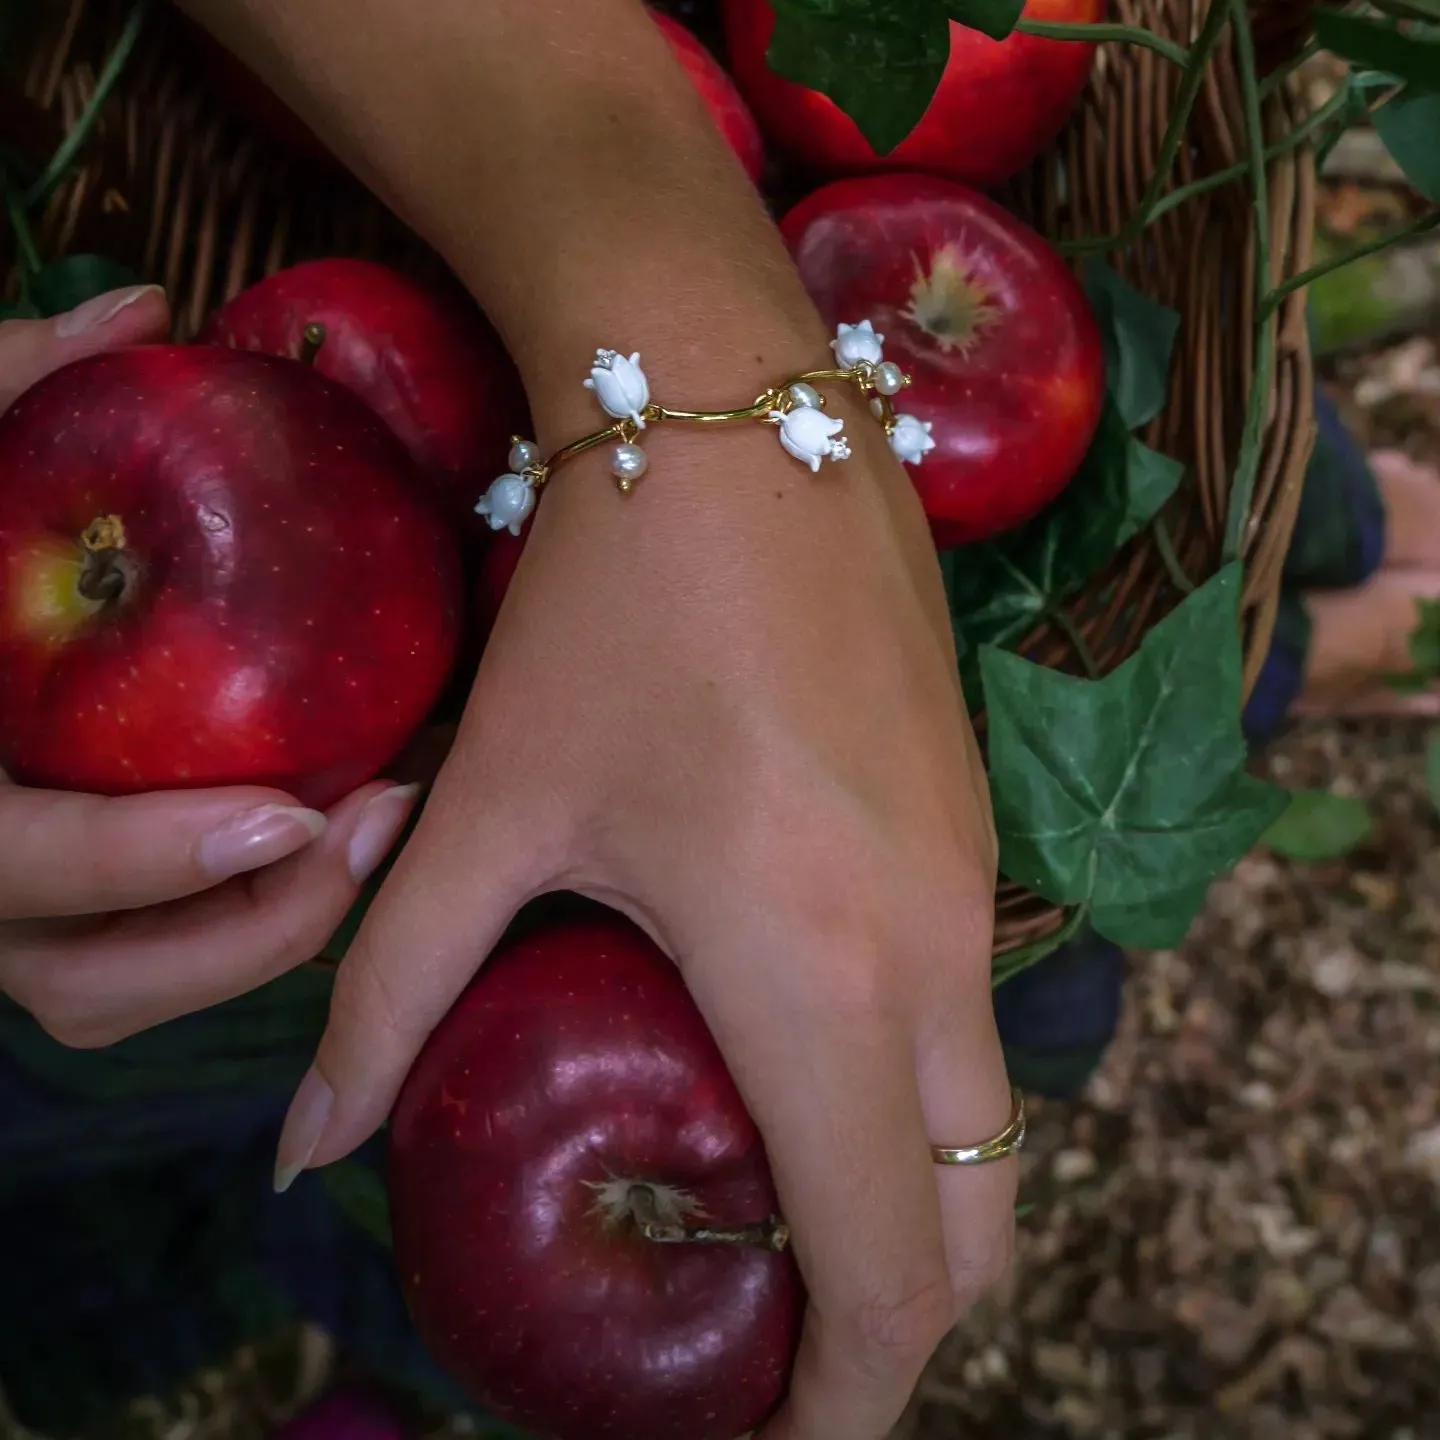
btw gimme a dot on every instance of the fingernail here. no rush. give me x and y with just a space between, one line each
304 1125
100 310
258 837
378 828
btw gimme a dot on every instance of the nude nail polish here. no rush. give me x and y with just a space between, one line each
258 837
304 1126
378 828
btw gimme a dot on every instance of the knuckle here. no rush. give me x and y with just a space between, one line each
898 1333
977 1272
364 1000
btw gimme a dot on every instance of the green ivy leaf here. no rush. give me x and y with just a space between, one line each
1380 45
1432 770
360 1193
1139 340
1424 651
995 18
71 280
880 61
1129 794
1001 590
1409 126
1317 826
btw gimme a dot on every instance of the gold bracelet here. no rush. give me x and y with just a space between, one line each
794 406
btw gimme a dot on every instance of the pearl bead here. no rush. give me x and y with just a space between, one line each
523 455
877 408
806 395
889 378
629 462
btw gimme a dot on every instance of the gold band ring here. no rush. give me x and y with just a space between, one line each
1007 1142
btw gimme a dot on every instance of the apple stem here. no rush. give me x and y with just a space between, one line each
771 1234
106 572
311 339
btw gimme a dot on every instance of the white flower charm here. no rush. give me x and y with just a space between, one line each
810 435
857 344
620 386
507 503
911 439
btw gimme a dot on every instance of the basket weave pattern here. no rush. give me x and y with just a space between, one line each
180 191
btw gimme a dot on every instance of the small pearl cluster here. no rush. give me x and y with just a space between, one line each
798 411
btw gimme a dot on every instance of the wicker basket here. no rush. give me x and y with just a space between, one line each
179 190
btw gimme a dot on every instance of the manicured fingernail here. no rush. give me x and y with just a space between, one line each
258 837
304 1125
378 828
101 310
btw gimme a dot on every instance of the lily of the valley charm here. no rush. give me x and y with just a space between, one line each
620 386
507 504
795 407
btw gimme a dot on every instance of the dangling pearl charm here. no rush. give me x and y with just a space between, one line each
889 378
807 395
628 463
524 455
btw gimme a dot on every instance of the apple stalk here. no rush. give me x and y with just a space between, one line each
659 1223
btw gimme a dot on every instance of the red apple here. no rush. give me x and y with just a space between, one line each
719 92
422 357
214 569
999 104
573 1091
1006 357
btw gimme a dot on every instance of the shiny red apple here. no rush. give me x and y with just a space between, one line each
572 1096
1005 354
718 91
999 103
421 356
215 568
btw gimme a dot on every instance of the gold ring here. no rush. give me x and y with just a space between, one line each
1007 1142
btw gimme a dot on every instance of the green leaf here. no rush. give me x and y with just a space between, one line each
1380 45
880 61
70 281
360 1193
1318 826
995 18
1129 794
1139 340
1001 590
1432 770
1424 651
1409 125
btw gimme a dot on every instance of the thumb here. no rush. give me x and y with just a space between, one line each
32 349
454 890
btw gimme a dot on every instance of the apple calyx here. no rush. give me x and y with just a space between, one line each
312 337
661 1214
948 303
107 570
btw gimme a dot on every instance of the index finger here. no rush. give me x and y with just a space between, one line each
851 1162
69 854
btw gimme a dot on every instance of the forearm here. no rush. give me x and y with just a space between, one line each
557 156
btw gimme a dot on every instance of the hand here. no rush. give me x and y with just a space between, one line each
728 707
117 914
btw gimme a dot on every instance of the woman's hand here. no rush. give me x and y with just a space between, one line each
750 738
117 914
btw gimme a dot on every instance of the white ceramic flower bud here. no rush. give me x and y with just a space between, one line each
857 345
507 503
620 386
810 435
911 439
